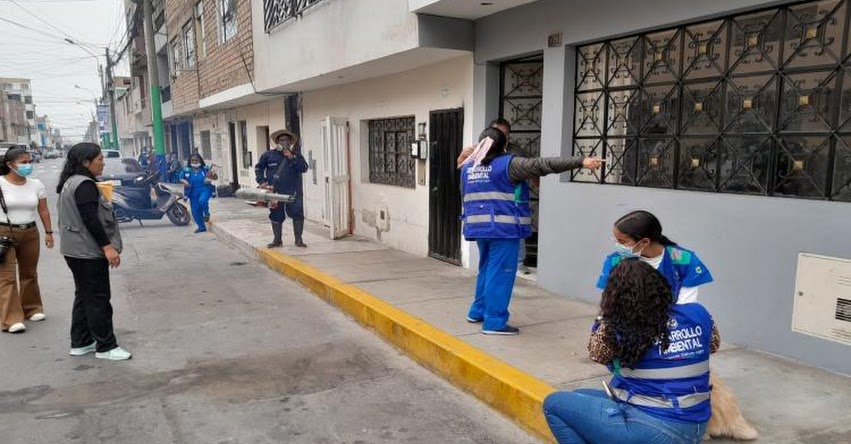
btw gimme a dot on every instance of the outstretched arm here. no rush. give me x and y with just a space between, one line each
522 169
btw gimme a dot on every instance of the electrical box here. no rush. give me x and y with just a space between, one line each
823 298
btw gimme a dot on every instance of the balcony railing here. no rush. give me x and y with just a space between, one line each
276 12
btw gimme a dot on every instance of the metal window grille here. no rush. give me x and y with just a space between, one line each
754 103
276 12
227 19
390 160
522 98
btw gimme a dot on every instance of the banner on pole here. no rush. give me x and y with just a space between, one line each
103 118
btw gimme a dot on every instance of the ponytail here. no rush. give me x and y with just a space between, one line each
643 224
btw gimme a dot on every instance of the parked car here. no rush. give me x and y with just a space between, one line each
121 171
53 154
109 154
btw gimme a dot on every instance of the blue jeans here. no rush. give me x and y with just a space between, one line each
590 417
199 200
497 271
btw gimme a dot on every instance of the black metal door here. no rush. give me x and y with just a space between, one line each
233 153
446 132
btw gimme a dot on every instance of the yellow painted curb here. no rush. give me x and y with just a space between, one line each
512 392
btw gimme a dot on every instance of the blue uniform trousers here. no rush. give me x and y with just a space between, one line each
199 200
497 271
295 210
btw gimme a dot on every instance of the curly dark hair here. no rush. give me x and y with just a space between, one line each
635 306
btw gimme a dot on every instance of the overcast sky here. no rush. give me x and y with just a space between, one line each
55 66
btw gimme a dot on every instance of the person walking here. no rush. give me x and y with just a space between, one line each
280 170
658 353
22 200
91 244
496 215
198 180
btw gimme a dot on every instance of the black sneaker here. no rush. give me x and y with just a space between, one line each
504 331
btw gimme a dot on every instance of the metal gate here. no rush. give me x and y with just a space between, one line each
446 132
521 103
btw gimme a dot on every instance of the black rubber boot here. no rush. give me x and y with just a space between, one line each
298 229
276 231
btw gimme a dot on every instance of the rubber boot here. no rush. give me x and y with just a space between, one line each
298 229
276 230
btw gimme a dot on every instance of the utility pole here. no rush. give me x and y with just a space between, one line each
154 81
110 89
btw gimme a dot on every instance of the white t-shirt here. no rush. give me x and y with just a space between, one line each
687 294
22 200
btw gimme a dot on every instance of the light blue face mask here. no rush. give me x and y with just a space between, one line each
626 251
24 170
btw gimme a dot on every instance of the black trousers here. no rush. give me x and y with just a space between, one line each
91 318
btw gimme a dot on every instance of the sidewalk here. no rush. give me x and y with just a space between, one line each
419 304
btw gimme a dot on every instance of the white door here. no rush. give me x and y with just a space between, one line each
335 138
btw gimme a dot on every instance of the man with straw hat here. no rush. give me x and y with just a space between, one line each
280 170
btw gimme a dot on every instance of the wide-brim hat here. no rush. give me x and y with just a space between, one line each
284 132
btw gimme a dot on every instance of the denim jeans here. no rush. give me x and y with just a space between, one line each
590 417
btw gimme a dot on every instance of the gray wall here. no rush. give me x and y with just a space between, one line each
750 243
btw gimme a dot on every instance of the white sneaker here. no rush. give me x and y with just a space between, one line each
38 317
17 328
116 354
80 351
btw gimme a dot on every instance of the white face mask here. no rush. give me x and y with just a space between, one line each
195 165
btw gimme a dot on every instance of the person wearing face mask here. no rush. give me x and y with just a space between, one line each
22 200
197 181
280 170
175 169
638 235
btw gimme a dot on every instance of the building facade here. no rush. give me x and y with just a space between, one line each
726 119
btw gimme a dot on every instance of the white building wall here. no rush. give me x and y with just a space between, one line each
330 36
440 86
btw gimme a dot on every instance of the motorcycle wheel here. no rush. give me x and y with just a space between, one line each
178 215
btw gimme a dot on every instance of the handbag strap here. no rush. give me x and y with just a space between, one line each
3 205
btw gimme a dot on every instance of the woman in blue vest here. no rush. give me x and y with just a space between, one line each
658 353
639 235
197 182
496 215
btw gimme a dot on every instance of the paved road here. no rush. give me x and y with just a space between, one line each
225 351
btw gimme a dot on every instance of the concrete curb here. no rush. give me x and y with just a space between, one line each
507 389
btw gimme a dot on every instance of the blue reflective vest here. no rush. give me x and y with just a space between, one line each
494 207
672 383
681 267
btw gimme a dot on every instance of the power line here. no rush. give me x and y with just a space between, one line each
15 2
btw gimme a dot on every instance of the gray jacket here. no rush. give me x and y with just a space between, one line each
75 240
521 169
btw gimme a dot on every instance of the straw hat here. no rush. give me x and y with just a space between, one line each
284 132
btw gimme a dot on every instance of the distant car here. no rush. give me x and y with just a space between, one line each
55 154
121 171
6 146
109 154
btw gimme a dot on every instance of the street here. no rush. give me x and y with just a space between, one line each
225 351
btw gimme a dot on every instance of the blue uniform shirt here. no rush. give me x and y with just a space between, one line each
289 182
681 267
196 179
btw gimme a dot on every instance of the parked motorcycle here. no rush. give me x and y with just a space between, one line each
134 202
